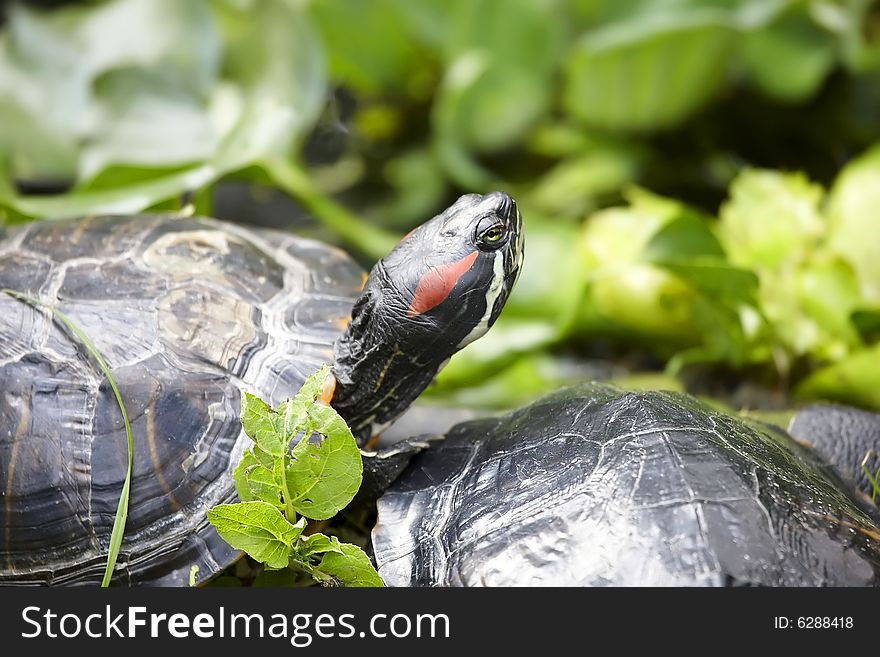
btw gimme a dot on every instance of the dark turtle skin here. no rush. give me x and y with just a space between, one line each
189 313
595 486
847 438
415 312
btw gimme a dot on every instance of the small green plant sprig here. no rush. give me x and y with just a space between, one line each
282 487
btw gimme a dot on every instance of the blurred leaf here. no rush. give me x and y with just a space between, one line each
829 293
715 278
418 189
554 272
688 248
367 238
854 380
148 121
505 343
771 218
122 199
34 150
852 212
368 44
855 21
500 54
274 57
808 308
625 286
790 58
50 62
651 71
161 108
867 323
521 379
686 236
648 300
648 381
571 187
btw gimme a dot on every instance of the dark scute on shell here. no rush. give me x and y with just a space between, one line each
92 237
190 250
117 280
595 486
23 272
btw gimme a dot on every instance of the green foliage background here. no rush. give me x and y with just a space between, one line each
699 178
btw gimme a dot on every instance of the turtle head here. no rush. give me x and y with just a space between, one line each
440 288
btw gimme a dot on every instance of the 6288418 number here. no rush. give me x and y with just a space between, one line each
824 622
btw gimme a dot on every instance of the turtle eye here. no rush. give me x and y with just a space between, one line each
490 233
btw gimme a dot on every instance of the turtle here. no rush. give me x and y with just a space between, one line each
594 485
190 312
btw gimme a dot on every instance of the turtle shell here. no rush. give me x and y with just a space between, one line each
596 486
188 313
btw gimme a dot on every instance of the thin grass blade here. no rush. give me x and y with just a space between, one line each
122 507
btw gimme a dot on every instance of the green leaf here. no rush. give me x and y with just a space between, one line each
651 71
318 544
326 470
55 88
351 567
854 380
149 120
867 323
263 425
369 46
852 213
575 185
500 56
771 218
828 291
259 529
255 481
165 97
688 248
716 278
293 416
485 360
790 58
686 236
309 391
625 287
516 380
493 91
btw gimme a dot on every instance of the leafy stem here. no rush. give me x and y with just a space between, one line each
281 488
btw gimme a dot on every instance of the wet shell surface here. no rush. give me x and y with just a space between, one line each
595 486
188 313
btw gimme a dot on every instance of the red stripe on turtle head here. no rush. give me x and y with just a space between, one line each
437 283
